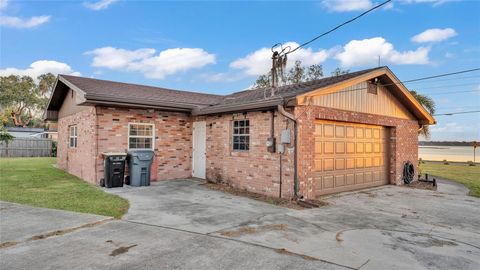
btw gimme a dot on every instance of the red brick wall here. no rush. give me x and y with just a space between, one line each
79 161
172 139
256 170
403 141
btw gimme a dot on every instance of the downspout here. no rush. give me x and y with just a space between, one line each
96 143
282 111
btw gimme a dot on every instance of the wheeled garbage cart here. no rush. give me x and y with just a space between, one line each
139 167
114 169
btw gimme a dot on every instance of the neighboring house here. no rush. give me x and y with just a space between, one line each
346 132
21 132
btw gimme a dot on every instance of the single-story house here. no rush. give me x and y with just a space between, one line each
320 137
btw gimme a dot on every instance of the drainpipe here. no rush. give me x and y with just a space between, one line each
282 111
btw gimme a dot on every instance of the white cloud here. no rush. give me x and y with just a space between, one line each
259 61
448 127
102 4
17 22
3 4
366 52
434 35
347 5
40 67
434 2
153 66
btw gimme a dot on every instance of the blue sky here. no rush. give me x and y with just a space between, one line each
221 47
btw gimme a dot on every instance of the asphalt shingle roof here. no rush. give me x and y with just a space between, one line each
149 94
142 92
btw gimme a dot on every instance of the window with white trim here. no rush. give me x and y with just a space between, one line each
241 135
72 137
141 136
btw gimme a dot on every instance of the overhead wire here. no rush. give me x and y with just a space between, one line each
454 113
339 26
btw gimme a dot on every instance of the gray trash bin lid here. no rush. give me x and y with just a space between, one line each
143 155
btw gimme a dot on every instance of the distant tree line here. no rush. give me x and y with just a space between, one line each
445 143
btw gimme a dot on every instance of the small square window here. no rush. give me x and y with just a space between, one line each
140 136
241 135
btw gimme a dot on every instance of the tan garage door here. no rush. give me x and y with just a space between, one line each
349 156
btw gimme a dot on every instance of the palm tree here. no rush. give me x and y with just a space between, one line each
428 103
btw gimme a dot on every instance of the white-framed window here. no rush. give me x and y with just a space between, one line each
241 135
72 142
141 136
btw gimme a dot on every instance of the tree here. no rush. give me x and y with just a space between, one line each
21 99
338 72
296 74
428 103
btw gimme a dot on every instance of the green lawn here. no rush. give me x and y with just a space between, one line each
34 181
467 175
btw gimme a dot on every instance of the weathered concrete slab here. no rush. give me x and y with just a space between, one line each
183 225
20 222
188 205
124 245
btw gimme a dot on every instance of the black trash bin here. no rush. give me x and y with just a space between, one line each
114 169
139 166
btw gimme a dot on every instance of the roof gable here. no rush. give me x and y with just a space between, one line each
386 79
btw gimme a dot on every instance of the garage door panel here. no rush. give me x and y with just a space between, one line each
328 164
339 180
328 131
339 164
328 147
350 163
359 179
350 178
349 156
328 182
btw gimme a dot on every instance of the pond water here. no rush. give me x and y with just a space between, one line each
450 153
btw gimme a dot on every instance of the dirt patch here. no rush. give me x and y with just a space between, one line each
288 203
369 194
421 185
338 237
287 252
8 244
121 250
251 230
65 231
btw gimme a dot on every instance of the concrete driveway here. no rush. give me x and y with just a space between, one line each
182 224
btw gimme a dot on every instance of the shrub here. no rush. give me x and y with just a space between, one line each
54 148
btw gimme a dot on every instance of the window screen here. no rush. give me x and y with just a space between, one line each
241 135
140 136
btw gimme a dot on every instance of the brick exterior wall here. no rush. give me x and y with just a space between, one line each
256 170
104 129
173 135
403 141
79 161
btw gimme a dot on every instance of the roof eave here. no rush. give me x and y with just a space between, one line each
130 102
229 108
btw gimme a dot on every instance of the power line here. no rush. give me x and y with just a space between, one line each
338 26
452 79
421 79
442 75
453 113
